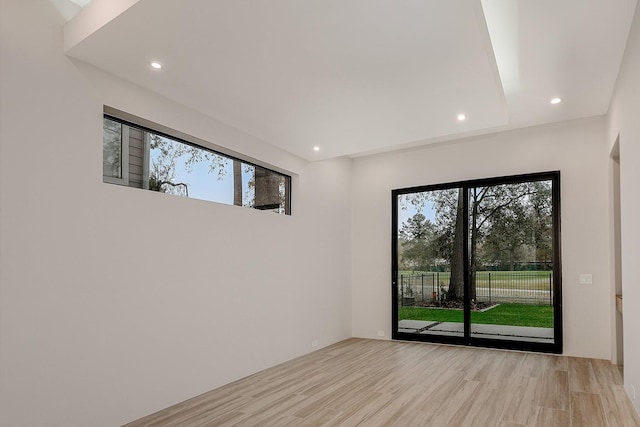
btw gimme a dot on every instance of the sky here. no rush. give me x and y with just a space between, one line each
410 210
204 184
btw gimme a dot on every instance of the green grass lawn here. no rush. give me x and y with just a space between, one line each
504 314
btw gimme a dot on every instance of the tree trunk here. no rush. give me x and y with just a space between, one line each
237 183
456 281
473 263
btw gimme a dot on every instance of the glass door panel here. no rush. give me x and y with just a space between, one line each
429 265
511 262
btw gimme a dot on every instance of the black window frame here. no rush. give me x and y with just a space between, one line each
114 116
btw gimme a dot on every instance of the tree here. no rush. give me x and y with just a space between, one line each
456 280
491 206
509 236
162 168
168 153
523 228
416 235
449 233
503 219
542 233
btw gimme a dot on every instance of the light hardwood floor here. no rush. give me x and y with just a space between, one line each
391 383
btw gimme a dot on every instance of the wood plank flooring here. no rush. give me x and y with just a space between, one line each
390 383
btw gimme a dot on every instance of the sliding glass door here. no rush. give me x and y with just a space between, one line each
478 263
430 262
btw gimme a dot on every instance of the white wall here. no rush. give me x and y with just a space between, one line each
624 121
115 302
578 149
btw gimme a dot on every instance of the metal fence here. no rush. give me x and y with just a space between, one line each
525 287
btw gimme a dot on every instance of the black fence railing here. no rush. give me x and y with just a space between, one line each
525 287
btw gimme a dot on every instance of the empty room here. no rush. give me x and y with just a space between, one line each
319 213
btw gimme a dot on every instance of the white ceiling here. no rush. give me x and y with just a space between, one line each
81 3
361 76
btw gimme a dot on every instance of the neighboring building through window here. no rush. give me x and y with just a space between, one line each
136 156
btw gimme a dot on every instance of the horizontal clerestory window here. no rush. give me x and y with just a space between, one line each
141 157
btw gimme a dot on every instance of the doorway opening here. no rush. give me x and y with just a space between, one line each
617 345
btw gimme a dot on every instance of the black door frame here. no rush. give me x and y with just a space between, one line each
467 339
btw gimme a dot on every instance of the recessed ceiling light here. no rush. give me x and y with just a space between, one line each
156 65
316 148
556 101
462 117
